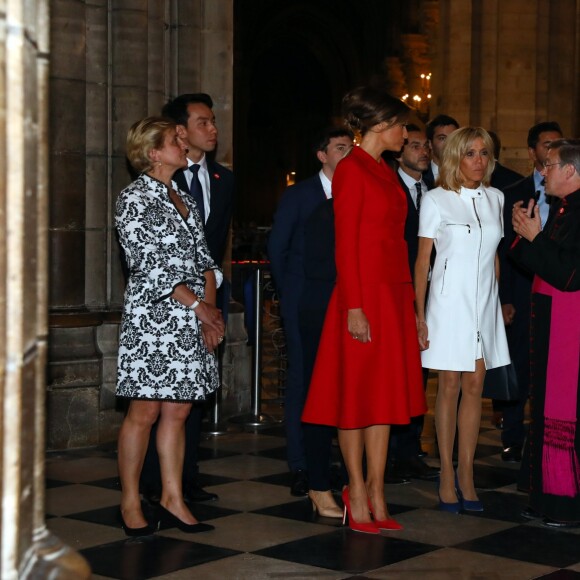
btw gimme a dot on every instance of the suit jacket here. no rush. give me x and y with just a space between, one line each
411 226
514 283
429 178
502 177
319 262
221 203
286 241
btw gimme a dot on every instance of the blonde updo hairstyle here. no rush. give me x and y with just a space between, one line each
365 107
143 136
456 148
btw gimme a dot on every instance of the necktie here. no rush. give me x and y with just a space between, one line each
539 192
196 191
419 194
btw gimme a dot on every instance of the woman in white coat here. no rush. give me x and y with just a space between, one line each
461 332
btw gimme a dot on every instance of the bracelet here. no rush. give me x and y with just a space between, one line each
421 322
195 304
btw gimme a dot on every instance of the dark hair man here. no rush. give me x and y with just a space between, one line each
438 129
405 441
515 285
286 249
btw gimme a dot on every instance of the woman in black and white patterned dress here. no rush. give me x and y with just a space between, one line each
170 325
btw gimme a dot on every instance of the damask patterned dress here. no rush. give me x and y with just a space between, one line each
161 353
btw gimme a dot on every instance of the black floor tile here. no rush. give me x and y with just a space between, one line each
347 551
276 430
137 559
108 516
207 480
275 453
205 453
107 483
301 511
52 483
492 477
529 544
482 450
284 479
502 506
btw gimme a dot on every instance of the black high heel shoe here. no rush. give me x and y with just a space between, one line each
147 530
174 522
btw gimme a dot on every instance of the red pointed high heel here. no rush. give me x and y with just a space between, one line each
364 527
388 524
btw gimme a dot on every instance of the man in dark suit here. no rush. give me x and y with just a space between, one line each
438 129
414 159
286 250
515 287
212 187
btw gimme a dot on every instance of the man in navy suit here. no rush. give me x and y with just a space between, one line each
414 159
515 285
438 129
286 250
212 187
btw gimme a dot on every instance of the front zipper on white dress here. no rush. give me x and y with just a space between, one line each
477 284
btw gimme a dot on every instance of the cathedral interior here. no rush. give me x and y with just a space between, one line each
77 75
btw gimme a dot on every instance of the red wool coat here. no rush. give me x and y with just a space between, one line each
355 385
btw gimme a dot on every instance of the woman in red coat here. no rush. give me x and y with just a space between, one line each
368 369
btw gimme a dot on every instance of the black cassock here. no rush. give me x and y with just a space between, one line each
551 463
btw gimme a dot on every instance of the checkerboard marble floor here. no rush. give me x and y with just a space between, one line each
262 532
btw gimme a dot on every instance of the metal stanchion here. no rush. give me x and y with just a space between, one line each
214 426
256 418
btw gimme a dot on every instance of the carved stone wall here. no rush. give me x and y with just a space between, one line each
112 63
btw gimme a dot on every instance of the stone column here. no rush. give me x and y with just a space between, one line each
508 65
28 550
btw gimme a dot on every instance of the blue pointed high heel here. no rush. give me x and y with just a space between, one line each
468 505
451 507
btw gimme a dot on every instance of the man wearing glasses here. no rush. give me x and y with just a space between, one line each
552 254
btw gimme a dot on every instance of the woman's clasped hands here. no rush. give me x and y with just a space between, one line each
212 327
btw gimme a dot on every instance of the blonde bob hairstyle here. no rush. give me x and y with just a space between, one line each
143 136
456 148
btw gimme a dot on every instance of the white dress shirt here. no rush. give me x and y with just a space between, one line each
326 184
411 182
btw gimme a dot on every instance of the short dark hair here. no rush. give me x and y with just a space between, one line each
413 127
439 121
324 137
177 108
534 132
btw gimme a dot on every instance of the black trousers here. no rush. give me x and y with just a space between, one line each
405 440
317 438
